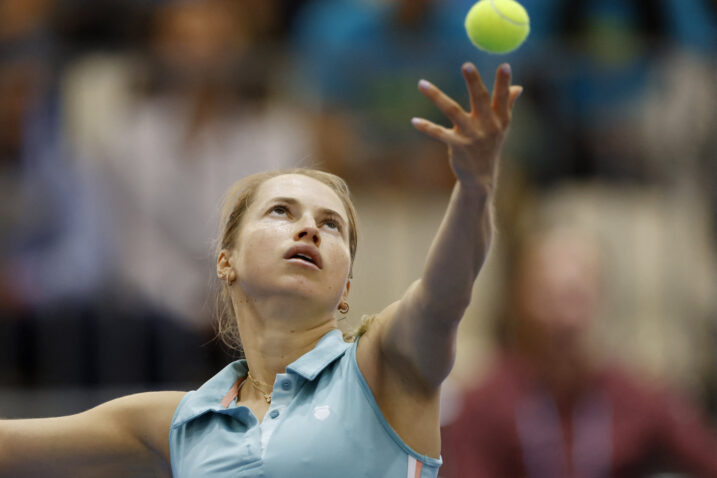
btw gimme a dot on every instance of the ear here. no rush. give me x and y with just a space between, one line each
224 267
346 290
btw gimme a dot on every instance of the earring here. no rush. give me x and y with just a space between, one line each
343 307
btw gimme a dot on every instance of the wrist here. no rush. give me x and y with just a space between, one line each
480 187
477 175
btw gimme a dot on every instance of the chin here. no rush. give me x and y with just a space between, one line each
301 287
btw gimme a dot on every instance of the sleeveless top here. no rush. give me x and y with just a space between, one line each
323 422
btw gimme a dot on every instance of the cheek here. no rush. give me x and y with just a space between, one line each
336 269
257 245
339 258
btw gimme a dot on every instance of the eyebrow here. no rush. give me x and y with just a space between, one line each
292 202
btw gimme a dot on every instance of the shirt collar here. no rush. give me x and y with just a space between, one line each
208 398
329 348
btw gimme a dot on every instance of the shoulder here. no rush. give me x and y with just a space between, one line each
144 418
627 389
144 402
636 397
376 363
399 397
384 357
212 395
139 410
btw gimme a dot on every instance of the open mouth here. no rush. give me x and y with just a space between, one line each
306 255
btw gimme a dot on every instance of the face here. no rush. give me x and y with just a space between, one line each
294 241
559 292
198 38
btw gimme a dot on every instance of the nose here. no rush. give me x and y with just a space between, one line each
308 231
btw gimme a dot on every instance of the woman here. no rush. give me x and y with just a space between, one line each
304 402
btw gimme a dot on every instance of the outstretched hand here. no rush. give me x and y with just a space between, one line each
475 141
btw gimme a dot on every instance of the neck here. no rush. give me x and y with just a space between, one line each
278 330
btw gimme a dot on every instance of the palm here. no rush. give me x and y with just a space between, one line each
476 139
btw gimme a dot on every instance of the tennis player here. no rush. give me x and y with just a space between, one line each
305 402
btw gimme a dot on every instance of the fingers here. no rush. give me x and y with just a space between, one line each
515 92
501 103
488 113
433 130
443 102
479 97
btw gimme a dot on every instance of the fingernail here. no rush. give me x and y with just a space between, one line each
424 85
505 68
469 68
520 92
416 121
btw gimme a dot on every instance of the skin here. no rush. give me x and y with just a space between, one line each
560 293
285 307
557 299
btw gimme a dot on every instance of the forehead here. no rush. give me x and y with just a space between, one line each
308 191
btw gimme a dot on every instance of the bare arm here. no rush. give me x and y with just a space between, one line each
124 437
409 350
417 334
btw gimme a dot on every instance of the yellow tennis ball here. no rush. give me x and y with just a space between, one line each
497 26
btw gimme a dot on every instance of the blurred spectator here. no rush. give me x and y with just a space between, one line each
203 115
589 82
675 125
49 225
51 251
359 61
550 408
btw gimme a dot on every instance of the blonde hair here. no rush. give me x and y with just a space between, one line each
237 200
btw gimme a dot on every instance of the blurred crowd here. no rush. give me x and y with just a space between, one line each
122 123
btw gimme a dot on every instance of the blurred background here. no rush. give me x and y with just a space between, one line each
122 122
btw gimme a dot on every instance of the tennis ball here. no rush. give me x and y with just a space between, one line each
497 26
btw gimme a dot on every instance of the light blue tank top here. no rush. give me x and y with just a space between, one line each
323 422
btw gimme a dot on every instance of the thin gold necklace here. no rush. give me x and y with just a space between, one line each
255 383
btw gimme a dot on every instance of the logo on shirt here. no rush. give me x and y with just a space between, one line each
322 412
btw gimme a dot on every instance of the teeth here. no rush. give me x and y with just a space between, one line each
305 257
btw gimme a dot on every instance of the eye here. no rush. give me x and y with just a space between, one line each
332 224
280 210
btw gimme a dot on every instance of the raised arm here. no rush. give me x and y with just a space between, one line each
415 337
464 236
121 438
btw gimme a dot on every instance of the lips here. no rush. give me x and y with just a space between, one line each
306 253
